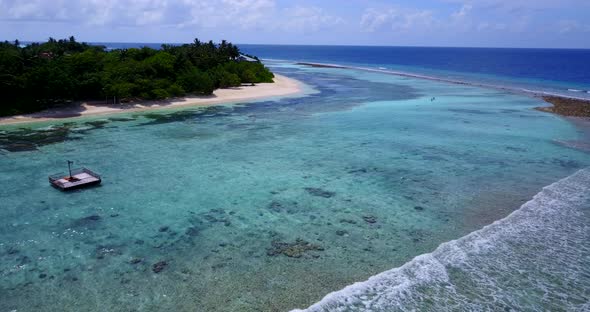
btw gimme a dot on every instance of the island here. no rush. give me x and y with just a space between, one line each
58 73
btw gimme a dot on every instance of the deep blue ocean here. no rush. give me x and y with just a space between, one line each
567 66
562 71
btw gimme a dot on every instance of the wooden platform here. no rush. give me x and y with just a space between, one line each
80 178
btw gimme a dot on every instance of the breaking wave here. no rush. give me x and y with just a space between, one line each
536 259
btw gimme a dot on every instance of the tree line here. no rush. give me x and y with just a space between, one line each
44 75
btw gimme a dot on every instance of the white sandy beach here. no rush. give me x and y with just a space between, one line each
282 86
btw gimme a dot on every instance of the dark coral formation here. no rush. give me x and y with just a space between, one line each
26 139
217 216
121 119
275 206
89 222
97 123
92 218
319 192
567 106
319 65
293 250
184 115
418 235
288 207
192 231
23 140
12 250
159 266
370 219
342 233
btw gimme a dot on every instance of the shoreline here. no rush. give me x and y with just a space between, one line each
562 104
282 86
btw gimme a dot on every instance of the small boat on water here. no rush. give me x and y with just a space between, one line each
77 178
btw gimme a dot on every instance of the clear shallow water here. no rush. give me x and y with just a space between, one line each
270 205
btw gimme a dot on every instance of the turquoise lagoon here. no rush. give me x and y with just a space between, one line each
271 205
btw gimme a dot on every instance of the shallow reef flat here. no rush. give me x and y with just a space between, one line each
567 106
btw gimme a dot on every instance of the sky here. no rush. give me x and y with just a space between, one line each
457 23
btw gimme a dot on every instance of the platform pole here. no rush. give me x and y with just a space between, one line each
70 167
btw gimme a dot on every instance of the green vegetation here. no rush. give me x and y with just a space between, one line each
44 75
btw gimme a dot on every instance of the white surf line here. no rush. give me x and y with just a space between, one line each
439 79
393 285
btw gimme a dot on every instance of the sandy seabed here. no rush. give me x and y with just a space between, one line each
282 86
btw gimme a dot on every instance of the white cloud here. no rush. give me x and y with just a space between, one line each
245 14
374 19
520 5
397 19
93 12
33 9
487 26
463 12
23 9
569 26
467 18
308 19
224 14
413 20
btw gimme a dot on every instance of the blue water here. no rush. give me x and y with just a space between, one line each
549 70
274 204
544 64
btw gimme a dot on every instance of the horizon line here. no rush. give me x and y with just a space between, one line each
327 45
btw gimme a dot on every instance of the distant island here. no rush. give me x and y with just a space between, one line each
40 76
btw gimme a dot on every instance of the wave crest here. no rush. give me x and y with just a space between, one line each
537 258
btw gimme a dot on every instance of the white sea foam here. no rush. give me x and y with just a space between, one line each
537 258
